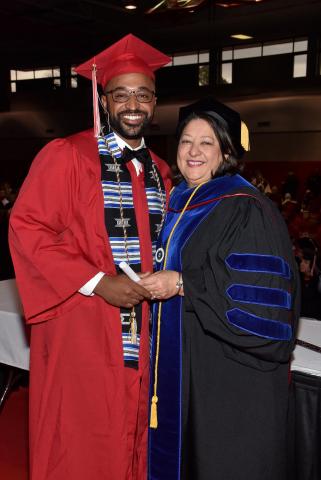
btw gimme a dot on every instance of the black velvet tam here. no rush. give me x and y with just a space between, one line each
226 116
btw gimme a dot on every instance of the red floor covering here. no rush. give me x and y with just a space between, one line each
14 436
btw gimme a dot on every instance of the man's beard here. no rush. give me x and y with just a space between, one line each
129 131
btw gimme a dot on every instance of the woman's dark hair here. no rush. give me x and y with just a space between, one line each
231 158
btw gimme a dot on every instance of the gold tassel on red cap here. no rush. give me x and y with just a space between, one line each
97 126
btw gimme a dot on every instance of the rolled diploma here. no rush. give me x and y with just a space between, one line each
129 271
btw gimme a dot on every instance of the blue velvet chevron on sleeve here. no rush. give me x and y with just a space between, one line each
262 295
262 327
249 262
269 297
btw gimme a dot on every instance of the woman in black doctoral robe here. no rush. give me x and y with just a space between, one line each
224 328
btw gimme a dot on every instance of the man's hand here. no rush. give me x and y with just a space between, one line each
120 291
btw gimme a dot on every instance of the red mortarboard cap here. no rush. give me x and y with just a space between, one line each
128 55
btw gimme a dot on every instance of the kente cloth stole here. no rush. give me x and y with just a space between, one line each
108 151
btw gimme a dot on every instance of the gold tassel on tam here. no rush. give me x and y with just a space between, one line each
245 138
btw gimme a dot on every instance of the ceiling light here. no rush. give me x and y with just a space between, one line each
228 5
130 6
241 36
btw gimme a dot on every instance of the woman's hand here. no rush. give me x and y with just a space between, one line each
161 285
120 291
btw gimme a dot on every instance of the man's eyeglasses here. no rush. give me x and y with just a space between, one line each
122 95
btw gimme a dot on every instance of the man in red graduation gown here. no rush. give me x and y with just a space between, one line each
85 206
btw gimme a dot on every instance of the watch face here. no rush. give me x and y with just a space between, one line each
179 282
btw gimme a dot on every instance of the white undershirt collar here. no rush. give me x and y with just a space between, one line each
122 144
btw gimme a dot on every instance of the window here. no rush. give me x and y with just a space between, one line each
73 78
277 48
202 59
226 73
189 58
297 47
186 59
301 45
203 75
300 66
227 54
18 76
247 52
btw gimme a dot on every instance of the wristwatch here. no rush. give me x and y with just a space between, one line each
179 282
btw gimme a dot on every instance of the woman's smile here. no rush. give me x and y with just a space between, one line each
199 154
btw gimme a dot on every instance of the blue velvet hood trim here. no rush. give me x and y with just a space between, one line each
164 455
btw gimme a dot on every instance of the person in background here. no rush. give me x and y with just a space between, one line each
307 254
225 327
261 183
289 208
87 204
275 196
290 185
7 198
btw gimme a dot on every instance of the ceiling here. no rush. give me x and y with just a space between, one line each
47 32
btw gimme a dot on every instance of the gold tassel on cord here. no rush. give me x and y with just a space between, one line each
245 138
133 327
153 413
153 423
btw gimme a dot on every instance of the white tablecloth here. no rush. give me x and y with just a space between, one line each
14 344
304 360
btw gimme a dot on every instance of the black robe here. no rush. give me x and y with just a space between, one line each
225 346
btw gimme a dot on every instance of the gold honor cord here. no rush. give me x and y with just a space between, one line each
153 413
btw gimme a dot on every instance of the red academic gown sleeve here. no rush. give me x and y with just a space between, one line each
54 250
50 261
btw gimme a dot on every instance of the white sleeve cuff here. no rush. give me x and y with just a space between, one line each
89 287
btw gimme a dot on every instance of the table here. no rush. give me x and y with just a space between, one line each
14 339
305 360
305 405
14 335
